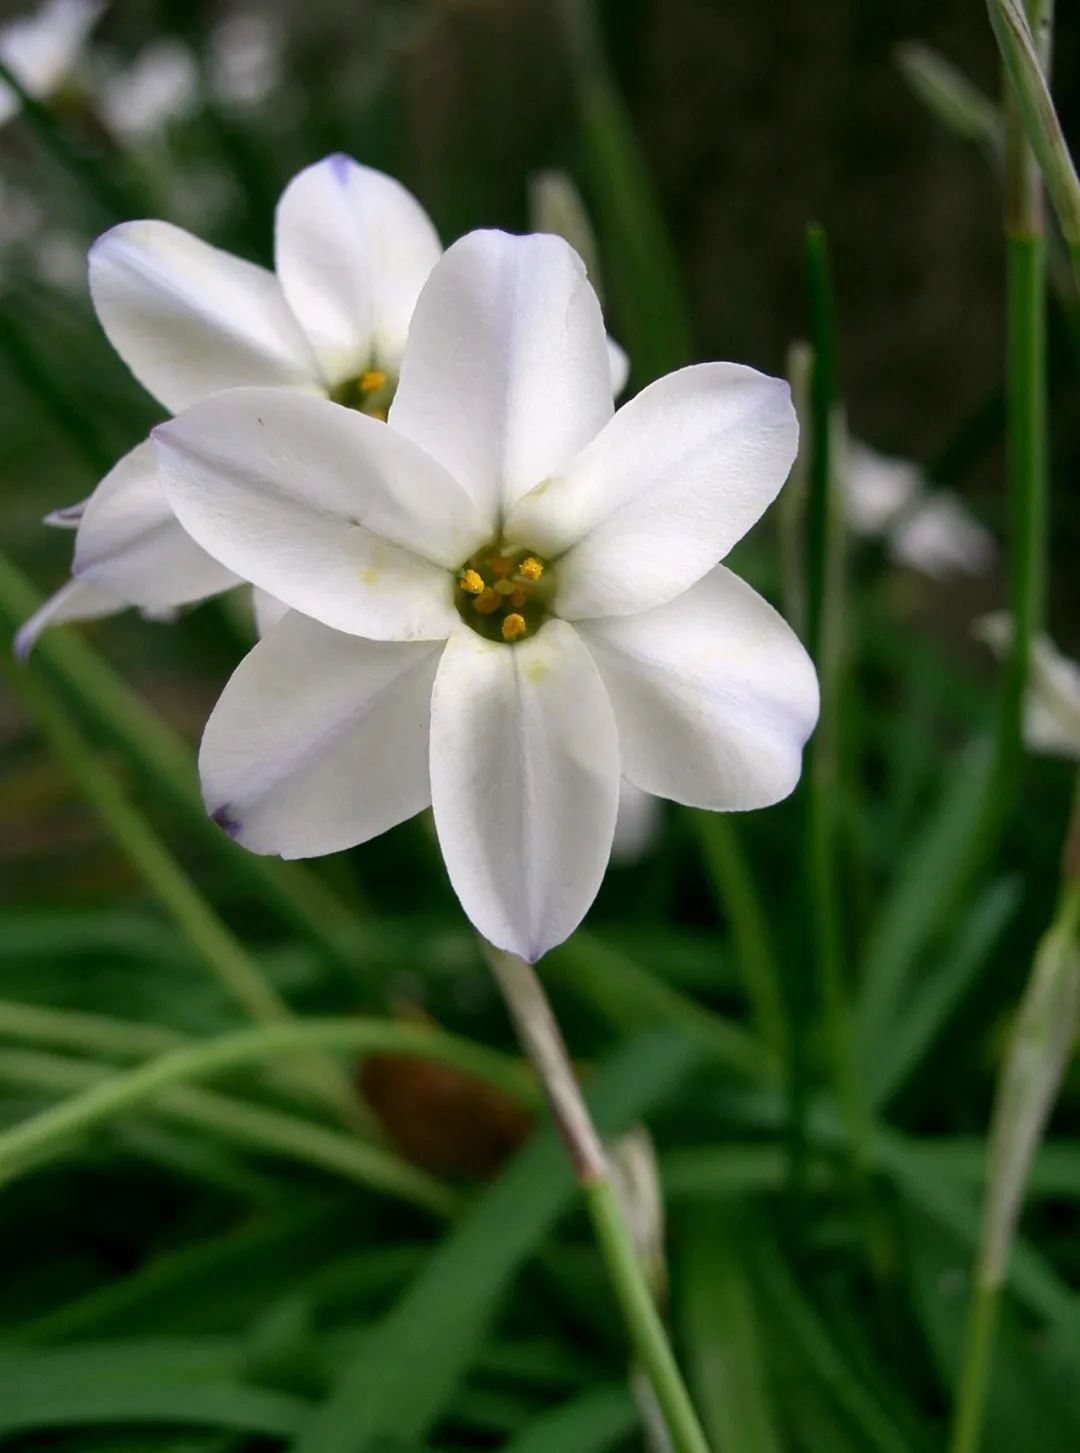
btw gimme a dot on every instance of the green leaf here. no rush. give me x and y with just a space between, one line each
722 1330
918 1025
405 1377
596 1420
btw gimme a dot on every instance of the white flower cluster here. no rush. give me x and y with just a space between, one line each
483 588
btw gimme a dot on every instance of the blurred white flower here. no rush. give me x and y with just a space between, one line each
246 58
41 49
353 249
1052 707
929 531
158 86
637 824
59 259
503 602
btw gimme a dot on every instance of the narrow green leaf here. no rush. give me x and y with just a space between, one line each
597 1419
722 1331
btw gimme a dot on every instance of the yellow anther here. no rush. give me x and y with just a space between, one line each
513 627
488 601
531 568
472 582
500 565
371 380
519 597
504 587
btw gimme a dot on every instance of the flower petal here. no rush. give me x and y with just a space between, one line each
713 694
267 610
189 319
524 782
681 472
332 512
353 249
506 375
131 544
319 740
78 600
67 517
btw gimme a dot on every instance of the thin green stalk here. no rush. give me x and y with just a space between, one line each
252 1126
824 624
25 1144
543 1044
223 954
93 1034
166 763
754 956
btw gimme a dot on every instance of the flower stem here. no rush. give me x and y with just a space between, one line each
543 1043
824 620
165 761
23 1145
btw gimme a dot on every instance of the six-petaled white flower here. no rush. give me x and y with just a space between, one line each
502 602
352 251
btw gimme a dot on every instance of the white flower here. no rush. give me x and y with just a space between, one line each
352 250
41 49
501 603
158 86
246 58
1052 707
926 530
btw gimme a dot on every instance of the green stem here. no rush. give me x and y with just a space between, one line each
166 763
980 1337
543 1043
824 616
223 954
252 1126
1026 413
26 1143
642 1319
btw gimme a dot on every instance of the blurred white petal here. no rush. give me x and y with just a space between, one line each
41 48
1052 708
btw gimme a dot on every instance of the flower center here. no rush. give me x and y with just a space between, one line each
504 594
371 393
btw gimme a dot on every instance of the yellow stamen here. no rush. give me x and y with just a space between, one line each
531 568
488 601
504 587
513 627
519 597
472 582
371 380
500 565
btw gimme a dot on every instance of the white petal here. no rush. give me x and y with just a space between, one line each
506 375
1052 707
940 537
267 610
353 249
41 48
637 826
189 319
319 740
877 488
713 694
131 544
619 364
331 511
67 517
524 782
678 476
75 601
